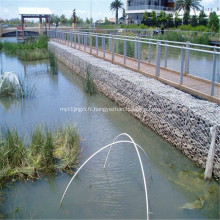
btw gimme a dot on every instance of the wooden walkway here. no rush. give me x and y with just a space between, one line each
194 85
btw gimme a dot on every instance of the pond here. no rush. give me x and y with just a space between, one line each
116 192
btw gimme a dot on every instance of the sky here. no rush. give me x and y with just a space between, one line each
100 8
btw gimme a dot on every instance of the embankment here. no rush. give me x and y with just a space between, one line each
178 117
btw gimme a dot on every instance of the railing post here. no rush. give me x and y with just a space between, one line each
71 39
135 47
125 50
65 37
113 48
187 58
90 43
213 72
117 46
75 40
165 59
109 42
139 54
182 66
85 42
158 59
149 53
96 40
103 46
79 41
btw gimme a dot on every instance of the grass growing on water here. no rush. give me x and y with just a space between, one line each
31 55
89 84
10 88
48 152
32 49
53 63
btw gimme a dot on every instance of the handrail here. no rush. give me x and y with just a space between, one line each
80 38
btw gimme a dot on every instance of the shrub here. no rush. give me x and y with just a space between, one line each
213 22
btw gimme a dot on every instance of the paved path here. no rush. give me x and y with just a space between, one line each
191 84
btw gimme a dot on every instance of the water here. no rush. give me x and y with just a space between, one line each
114 193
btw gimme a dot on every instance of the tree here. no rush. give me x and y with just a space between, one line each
145 17
170 17
194 21
63 19
186 18
178 21
186 5
115 6
87 21
162 17
213 22
202 18
153 17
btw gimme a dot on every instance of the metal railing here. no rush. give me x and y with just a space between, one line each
149 32
117 44
145 7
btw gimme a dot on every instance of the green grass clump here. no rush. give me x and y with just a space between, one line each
31 55
32 49
89 84
53 63
23 90
49 151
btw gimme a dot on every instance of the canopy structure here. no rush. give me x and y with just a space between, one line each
35 13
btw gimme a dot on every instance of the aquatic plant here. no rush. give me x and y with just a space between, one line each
89 84
31 55
53 63
15 86
48 151
32 49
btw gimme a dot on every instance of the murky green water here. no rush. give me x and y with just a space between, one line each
114 193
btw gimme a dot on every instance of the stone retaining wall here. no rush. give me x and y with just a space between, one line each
178 117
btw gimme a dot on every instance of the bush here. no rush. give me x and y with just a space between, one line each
194 21
213 22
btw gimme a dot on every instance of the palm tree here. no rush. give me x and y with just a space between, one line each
115 6
186 5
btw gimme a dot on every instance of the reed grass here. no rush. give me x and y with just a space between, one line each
24 90
89 84
32 49
49 151
35 54
53 63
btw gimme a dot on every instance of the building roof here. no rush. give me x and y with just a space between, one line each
34 11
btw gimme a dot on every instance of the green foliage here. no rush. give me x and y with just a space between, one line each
1 45
170 17
89 84
53 63
153 16
202 18
48 151
34 54
189 27
14 48
194 21
177 36
23 90
162 17
186 18
213 22
115 6
145 16
186 5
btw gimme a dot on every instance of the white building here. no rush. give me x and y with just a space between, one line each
136 8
